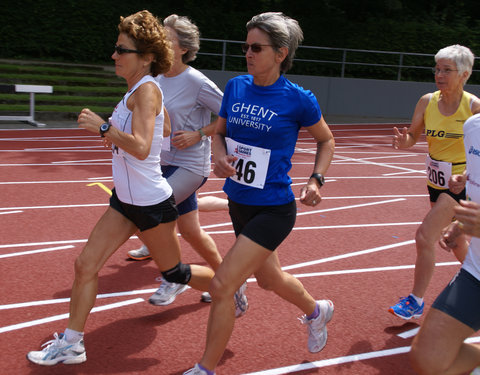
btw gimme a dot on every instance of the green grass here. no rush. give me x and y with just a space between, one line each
54 108
60 78
60 98
74 88
61 70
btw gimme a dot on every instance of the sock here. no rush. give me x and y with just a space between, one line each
73 336
204 369
315 313
417 299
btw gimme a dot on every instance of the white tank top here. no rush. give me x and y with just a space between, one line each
138 182
471 131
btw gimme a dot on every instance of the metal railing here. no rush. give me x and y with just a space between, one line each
340 62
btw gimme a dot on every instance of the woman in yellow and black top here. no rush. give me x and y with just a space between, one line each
441 115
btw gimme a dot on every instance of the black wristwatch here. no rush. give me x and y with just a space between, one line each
319 177
104 128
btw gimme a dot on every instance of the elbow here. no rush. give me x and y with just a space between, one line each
142 154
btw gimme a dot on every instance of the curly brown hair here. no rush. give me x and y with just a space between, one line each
149 36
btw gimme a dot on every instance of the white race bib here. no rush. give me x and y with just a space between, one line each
251 164
438 172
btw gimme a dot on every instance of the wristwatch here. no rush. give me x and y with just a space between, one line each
104 128
319 177
203 136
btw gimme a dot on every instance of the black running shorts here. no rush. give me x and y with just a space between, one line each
146 217
461 299
267 226
435 193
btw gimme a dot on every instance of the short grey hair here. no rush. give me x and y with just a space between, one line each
282 30
460 55
188 35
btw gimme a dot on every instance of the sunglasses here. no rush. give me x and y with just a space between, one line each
256 47
121 50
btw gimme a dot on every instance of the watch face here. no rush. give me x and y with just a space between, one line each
104 127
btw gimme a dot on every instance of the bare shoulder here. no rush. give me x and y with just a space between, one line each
475 104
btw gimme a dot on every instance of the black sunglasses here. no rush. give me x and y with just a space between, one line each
121 50
256 47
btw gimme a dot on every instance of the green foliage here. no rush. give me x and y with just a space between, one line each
85 31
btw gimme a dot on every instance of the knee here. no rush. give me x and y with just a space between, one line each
422 239
180 274
84 270
220 289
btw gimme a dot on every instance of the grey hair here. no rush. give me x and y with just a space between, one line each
188 35
460 55
282 30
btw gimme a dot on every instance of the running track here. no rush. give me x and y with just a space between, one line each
356 249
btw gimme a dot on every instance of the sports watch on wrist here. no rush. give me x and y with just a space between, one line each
203 136
319 177
105 127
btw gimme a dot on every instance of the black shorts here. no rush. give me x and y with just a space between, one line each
267 226
146 217
435 193
461 299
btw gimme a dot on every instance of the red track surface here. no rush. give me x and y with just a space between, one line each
356 249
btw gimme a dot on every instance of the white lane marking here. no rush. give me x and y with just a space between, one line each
54 318
36 251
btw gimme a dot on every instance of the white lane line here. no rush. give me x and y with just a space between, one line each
36 251
10 212
42 243
341 360
65 300
348 255
385 165
332 361
59 206
409 333
349 207
65 316
367 270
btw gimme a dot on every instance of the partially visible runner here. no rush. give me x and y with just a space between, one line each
439 347
190 98
441 114
257 130
142 200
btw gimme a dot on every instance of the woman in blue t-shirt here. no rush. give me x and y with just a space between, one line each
257 130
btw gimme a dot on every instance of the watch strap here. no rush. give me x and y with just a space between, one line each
319 177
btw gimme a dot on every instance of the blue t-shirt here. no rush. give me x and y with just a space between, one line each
268 117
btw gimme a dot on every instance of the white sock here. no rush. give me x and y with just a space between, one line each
417 299
73 336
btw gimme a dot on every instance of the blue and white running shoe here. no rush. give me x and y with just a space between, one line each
407 308
59 350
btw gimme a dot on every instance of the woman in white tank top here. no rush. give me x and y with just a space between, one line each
142 199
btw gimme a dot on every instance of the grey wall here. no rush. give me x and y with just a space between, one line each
357 97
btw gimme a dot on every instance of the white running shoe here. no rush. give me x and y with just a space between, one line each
476 371
195 371
141 253
241 301
206 297
59 350
167 293
317 328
